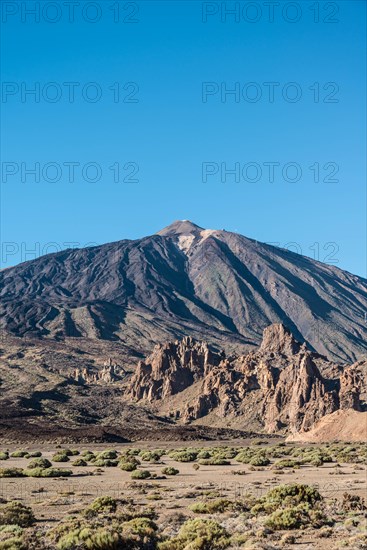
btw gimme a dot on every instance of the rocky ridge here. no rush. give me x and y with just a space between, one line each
283 382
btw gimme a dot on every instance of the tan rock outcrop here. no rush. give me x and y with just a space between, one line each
171 368
109 373
281 382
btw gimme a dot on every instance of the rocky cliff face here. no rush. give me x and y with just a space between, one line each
171 368
282 381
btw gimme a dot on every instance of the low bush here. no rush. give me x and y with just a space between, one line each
80 462
48 472
85 536
101 505
291 495
60 457
212 506
140 474
19 454
296 517
104 462
109 454
68 452
35 454
259 460
95 534
198 534
39 463
151 456
15 513
141 529
4 455
169 471
11 537
204 454
184 456
214 461
128 466
291 506
221 505
87 455
352 503
11 472
287 463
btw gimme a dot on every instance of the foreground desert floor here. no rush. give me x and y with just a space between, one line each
219 484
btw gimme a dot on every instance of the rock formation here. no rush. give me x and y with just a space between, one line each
110 372
171 368
281 382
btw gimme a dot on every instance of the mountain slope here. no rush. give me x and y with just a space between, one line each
214 285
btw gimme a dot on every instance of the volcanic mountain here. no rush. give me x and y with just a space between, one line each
212 285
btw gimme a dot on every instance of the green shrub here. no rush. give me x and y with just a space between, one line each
127 457
19 454
219 506
60 457
67 452
198 534
101 505
287 463
88 455
212 506
11 472
104 462
4 455
140 474
128 466
184 456
259 460
255 457
11 537
15 513
169 471
91 538
204 454
296 517
80 462
140 529
136 534
151 456
214 461
291 506
292 494
35 454
39 463
48 472
110 454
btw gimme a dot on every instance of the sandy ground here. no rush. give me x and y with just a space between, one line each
344 425
52 499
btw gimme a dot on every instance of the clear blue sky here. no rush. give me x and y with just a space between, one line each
170 132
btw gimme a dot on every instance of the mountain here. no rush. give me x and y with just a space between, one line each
213 285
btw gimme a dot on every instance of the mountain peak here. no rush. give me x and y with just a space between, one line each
180 227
